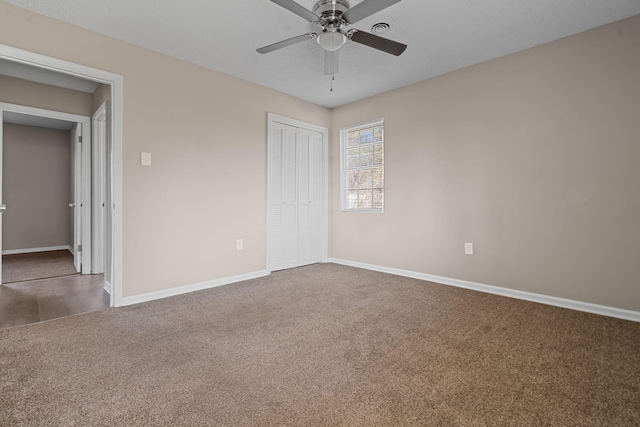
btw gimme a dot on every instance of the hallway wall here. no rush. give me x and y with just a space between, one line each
47 97
35 187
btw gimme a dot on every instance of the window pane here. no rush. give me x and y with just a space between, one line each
352 180
352 199
377 177
352 138
366 160
365 199
378 199
377 134
366 136
353 152
365 178
353 162
378 155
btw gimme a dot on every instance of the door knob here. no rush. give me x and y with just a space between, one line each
72 205
3 208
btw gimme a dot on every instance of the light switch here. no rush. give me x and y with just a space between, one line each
145 159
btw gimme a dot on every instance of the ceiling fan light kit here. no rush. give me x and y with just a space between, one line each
331 40
331 16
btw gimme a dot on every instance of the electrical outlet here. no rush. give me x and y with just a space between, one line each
468 248
239 245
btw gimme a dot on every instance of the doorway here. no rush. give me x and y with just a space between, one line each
113 211
39 201
45 185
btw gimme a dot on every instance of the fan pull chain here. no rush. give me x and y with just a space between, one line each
332 79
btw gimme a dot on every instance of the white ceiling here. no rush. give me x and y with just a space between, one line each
442 35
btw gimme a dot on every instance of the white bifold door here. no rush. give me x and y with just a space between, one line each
296 199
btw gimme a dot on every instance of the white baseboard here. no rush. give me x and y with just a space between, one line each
511 293
136 299
107 287
32 250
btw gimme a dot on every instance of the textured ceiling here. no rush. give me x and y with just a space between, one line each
442 35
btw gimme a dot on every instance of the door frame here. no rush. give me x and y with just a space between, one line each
275 118
82 180
115 82
99 137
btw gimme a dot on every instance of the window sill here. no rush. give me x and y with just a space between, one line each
363 210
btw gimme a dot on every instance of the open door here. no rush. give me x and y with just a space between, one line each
3 208
81 197
76 203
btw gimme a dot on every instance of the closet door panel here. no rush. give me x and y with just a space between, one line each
304 235
289 236
315 202
316 170
276 241
304 208
290 167
290 197
315 231
276 255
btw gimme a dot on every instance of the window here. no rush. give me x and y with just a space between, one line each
362 167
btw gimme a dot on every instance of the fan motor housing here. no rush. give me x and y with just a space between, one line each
330 10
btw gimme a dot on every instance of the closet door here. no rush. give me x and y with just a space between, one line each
283 238
290 197
296 199
309 197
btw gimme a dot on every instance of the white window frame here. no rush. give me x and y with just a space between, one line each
343 165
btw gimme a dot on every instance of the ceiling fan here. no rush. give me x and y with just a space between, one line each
332 16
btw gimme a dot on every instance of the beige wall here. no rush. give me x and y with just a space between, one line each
207 135
533 157
38 95
35 187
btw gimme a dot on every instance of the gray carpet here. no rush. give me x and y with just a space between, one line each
324 345
37 265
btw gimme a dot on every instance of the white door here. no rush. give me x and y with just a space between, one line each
2 206
81 203
76 203
283 199
296 199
